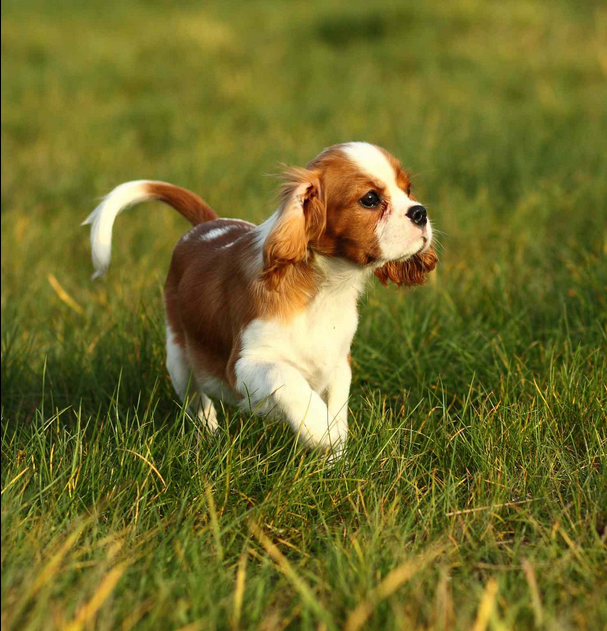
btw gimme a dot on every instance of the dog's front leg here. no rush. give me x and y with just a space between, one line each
278 388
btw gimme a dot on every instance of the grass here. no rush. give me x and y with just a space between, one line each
474 489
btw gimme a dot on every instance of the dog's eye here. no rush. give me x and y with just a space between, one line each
409 190
370 199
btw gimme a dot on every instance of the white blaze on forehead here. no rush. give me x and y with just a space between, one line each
372 161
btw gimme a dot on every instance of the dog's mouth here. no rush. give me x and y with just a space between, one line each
426 243
408 257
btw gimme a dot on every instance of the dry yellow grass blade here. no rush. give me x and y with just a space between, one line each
49 570
286 568
193 626
90 609
214 521
14 480
445 614
152 467
466 511
390 584
239 590
485 609
573 547
53 565
535 592
63 295
135 616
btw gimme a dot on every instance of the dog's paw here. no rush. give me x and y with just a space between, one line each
207 416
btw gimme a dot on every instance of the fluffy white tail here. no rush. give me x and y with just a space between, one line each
103 217
192 207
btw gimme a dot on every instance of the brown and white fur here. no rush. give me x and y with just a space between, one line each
264 316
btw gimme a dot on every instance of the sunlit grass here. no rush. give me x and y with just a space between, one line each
474 487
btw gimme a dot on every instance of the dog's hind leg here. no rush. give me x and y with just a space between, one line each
184 382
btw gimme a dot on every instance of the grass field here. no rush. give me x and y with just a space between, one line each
473 493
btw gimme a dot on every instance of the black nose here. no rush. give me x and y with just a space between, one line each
418 215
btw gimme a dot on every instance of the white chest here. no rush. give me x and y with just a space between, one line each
315 341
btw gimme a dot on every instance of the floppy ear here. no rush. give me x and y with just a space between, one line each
301 218
413 271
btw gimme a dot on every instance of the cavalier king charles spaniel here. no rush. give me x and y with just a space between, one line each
264 316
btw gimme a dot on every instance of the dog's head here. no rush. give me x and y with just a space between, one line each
354 202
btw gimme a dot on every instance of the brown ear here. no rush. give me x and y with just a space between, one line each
301 219
413 271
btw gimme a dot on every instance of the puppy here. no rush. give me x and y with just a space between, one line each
264 316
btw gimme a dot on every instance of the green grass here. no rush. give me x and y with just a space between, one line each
474 488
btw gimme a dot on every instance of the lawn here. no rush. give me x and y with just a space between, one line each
473 493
